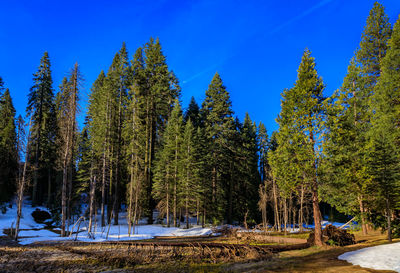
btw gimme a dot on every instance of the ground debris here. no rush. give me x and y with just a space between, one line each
334 236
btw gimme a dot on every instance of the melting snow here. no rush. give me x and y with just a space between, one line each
383 257
31 232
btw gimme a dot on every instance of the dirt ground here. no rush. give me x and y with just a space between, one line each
315 259
58 257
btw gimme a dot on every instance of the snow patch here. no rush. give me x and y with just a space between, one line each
383 257
31 232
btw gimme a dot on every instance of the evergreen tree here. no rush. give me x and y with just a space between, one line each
295 161
116 85
349 120
156 90
193 113
98 130
167 186
384 136
246 193
189 171
8 146
373 45
263 142
218 123
133 136
40 105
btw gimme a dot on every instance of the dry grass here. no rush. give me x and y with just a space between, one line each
82 257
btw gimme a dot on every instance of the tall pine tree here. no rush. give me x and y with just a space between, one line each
384 136
41 107
8 146
296 158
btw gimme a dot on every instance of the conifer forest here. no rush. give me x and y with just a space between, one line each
143 159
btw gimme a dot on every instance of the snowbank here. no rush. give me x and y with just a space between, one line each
31 232
8 219
383 257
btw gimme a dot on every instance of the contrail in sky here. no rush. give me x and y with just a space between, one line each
274 30
301 15
203 72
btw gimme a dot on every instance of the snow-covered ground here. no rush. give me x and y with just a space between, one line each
383 257
33 232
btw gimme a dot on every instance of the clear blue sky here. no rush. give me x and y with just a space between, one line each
256 46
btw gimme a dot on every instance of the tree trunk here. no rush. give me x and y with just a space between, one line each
49 187
37 148
197 211
362 211
301 217
317 217
64 185
21 184
275 196
175 175
389 220
130 201
285 216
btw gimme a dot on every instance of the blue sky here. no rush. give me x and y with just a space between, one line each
256 46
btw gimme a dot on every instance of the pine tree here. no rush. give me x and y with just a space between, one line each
87 171
384 135
98 131
349 120
8 147
295 160
248 177
167 185
373 45
193 113
116 84
133 136
218 123
40 106
157 89
189 171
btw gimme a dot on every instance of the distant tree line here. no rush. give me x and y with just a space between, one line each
140 151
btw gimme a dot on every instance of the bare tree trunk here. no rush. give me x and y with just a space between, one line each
151 147
103 191
187 212
110 188
146 158
64 187
49 187
275 196
317 217
245 219
362 210
69 197
130 204
203 224
315 199
175 177
22 182
69 144
197 211
92 193
285 215
301 217
167 197
389 220
136 213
